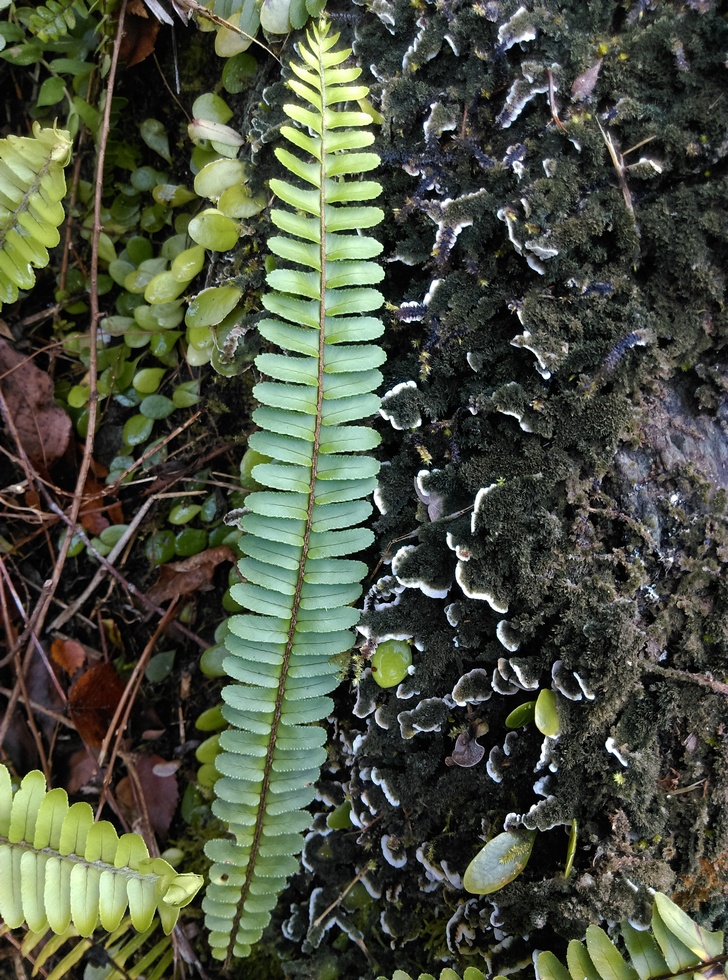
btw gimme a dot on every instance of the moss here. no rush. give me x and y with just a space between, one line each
573 358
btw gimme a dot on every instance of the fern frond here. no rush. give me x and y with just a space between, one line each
674 946
55 18
32 186
57 866
299 582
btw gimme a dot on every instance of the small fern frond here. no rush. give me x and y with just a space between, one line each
55 18
299 583
674 946
32 186
471 973
57 866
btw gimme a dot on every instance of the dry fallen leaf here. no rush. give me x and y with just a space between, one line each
43 428
92 701
191 575
156 779
68 654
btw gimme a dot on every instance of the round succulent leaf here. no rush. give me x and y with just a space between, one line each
211 720
162 344
137 430
546 714
499 862
154 134
156 407
238 202
211 106
159 547
113 534
228 42
78 396
186 394
522 715
173 195
188 263
274 16
238 72
211 660
190 541
160 666
218 176
161 317
148 380
183 513
119 269
391 662
211 306
163 288
214 230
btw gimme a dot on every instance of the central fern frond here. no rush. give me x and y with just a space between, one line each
299 583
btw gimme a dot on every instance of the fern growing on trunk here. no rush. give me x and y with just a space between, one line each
298 532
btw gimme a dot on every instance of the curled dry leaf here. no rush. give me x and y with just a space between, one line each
191 575
70 655
92 701
43 428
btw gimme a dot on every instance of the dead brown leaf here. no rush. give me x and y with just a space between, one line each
92 701
191 575
155 778
43 428
68 654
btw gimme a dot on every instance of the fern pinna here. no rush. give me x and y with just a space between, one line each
298 585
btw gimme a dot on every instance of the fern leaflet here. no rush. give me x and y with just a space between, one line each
57 866
32 186
299 584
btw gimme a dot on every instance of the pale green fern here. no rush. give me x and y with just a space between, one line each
32 186
299 585
58 867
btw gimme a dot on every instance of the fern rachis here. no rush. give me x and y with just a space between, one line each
299 582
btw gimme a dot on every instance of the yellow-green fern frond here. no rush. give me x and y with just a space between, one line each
32 186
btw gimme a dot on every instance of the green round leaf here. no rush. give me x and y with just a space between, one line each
148 380
211 720
213 230
160 317
211 661
207 775
208 750
546 715
173 195
162 344
186 394
188 263
156 407
218 176
159 547
183 513
78 396
163 288
238 72
391 662
210 106
190 541
212 305
137 430
522 715
154 135
274 16
113 534
339 819
238 202
160 666
51 91
499 862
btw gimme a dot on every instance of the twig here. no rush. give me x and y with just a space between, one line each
71 610
702 680
119 722
41 611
